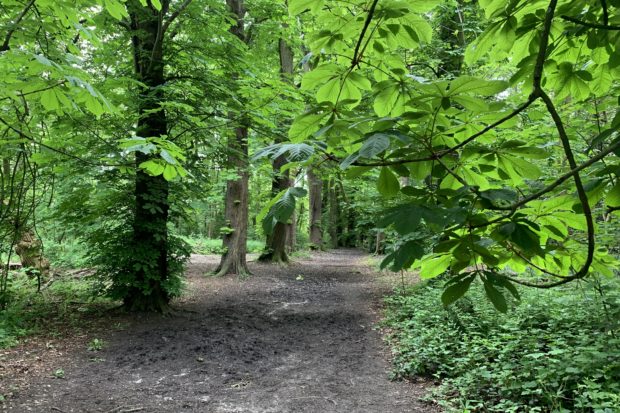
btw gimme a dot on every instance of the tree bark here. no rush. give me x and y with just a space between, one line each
29 248
333 214
150 233
275 248
236 208
236 212
315 209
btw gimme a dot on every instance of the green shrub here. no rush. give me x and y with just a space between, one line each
556 351
69 253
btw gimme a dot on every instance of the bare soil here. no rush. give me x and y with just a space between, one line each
300 338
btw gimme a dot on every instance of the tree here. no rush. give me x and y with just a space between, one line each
275 245
315 185
236 210
472 177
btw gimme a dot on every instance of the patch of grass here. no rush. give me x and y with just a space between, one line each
556 351
208 246
301 254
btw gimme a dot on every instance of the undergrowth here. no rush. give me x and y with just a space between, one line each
206 246
55 311
554 351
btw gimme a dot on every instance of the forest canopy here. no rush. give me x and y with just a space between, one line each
477 139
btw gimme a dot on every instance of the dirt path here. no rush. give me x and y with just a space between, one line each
296 339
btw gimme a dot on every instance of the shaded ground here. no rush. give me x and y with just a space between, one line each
295 339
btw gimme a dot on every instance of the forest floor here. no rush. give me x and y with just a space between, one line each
300 338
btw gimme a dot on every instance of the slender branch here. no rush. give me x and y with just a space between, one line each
7 39
605 12
175 14
590 25
544 43
371 13
24 135
441 154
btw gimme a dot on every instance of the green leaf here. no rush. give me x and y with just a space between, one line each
435 265
387 184
299 6
404 256
305 125
320 75
116 9
495 296
167 157
374 145
613 196
470 84
170 172
156 4
499 197
390 98
49 100
152 167
527 240
456 290
405 218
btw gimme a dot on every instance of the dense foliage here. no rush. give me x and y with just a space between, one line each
557 350
474 141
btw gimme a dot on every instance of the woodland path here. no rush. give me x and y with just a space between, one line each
291 339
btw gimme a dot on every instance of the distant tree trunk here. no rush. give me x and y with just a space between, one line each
332 217
380 242
315 209
236 212
291 237
275 248
150 233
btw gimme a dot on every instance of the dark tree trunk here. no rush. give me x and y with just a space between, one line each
236 209
150 234
315 209
275 248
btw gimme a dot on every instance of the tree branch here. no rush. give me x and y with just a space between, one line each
175 14
371 13
7 39
590 25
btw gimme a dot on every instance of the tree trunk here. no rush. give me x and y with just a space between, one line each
29 248
291 237
235 240
150 233
315 209
380 243
275 248
236 212
332 216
